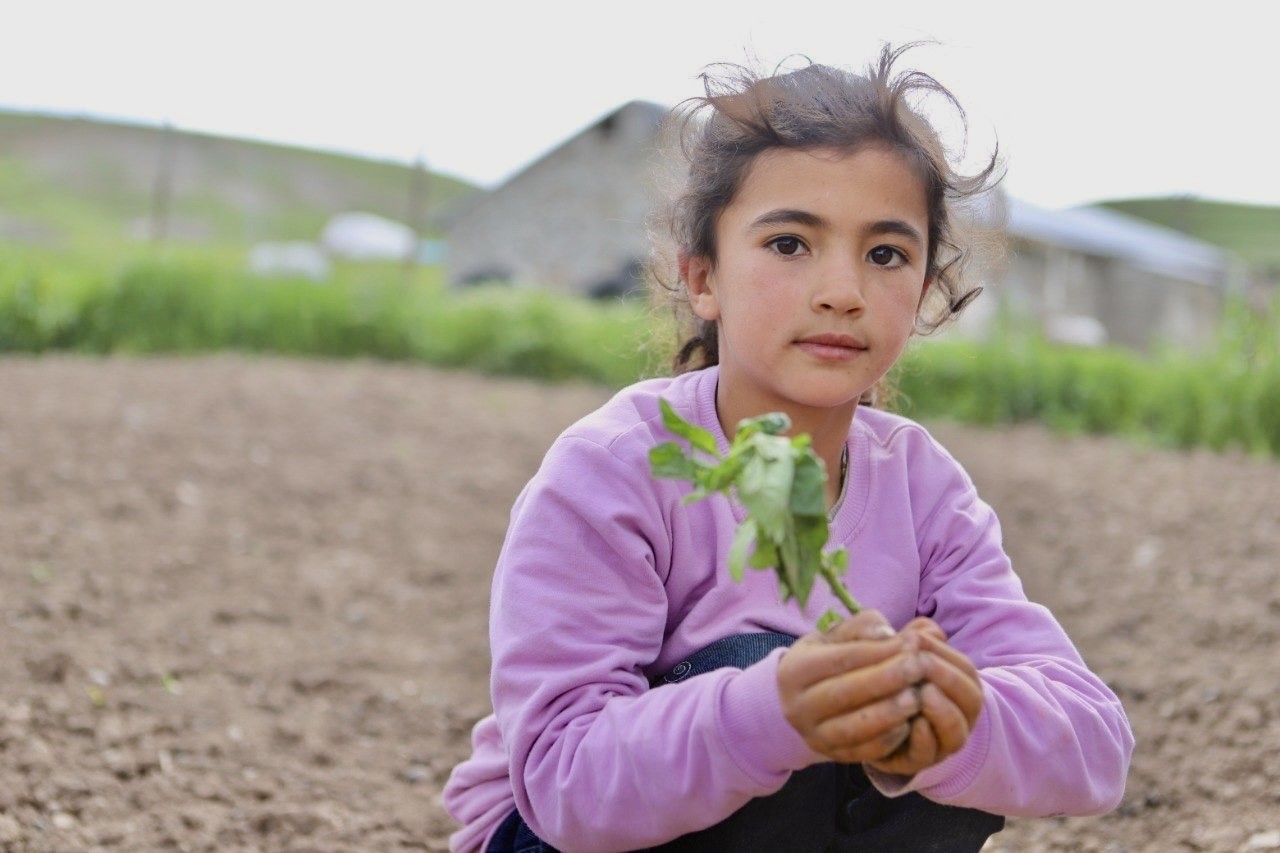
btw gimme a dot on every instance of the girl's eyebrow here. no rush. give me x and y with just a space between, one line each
795 216
787 216
898 227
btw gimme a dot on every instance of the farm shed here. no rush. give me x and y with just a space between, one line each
573 220
1139 283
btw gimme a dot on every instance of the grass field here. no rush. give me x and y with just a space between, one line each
1228 396
77 273
200 300
188 300
78 182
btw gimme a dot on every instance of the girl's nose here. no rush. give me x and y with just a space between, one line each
840 292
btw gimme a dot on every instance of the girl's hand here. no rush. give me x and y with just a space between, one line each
849 691
950 701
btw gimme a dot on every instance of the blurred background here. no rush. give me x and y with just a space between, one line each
247 521
170 174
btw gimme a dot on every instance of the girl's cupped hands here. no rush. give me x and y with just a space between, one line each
859 692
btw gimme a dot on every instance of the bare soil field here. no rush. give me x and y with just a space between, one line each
243 603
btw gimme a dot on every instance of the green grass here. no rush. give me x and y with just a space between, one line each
70 182
200 300
1227 397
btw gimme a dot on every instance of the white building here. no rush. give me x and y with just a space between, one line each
359 236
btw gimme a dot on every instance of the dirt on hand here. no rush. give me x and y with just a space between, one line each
243 603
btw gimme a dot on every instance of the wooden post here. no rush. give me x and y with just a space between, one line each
162 188
416 211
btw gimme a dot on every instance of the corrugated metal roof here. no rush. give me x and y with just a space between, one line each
1108 234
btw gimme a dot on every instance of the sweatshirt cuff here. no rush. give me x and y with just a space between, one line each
756 734
948 777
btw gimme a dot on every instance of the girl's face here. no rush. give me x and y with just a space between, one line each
821 261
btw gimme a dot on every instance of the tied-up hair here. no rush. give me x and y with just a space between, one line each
742 114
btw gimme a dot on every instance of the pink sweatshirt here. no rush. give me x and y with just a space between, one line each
606 579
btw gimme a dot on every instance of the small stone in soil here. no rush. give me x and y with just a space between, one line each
10 830
1264 840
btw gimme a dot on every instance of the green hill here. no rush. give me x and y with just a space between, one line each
74 181
1251 231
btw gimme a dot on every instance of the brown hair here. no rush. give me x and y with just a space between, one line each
816 106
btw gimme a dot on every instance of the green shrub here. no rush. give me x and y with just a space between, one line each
191 301
1227 396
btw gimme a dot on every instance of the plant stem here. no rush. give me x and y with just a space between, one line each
841 592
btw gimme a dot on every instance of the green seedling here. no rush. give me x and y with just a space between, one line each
781 483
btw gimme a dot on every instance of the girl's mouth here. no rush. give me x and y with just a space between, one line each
831 347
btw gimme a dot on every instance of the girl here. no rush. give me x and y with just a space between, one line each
642 698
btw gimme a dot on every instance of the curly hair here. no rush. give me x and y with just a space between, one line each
742 114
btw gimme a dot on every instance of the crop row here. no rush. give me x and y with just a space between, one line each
1224 397
186 305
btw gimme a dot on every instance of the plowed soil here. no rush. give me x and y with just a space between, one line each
243 603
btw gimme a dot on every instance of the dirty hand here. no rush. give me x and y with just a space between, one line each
849 691
950 701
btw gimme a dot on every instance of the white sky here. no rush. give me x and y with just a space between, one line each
1089 100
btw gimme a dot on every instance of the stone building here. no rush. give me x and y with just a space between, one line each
573 220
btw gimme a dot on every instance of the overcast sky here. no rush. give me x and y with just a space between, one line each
1088 100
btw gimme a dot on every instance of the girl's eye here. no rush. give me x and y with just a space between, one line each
885 256
786 245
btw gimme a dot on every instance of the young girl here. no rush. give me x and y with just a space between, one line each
642 698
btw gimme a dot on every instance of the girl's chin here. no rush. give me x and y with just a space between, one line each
799 396
823 401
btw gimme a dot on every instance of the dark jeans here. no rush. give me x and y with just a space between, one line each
826 808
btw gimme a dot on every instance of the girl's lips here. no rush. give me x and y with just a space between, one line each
831 347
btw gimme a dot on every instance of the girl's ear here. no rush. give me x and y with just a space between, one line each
699 280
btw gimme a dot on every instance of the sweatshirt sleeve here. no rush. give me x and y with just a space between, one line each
598 761
1052 738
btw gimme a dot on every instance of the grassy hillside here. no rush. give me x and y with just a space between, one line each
71 181
1251 231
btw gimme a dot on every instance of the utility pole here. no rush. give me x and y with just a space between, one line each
162 188
416 212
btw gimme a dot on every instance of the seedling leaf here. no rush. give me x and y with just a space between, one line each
697 437
808 492
742 540
782 484
774 423
668 461
765 555
764 487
